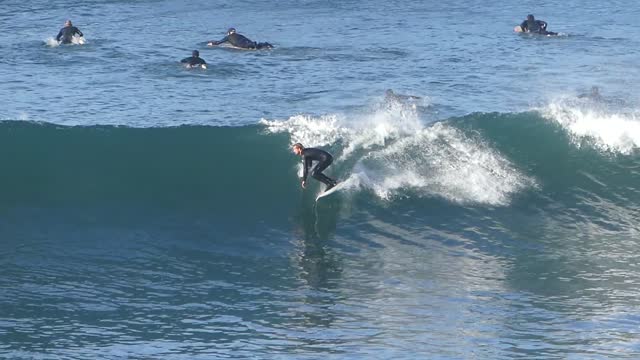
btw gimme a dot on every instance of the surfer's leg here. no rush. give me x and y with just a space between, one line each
324 179
318 175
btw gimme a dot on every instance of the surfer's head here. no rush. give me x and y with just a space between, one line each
297 148
68 23
195 53
231 31
530 17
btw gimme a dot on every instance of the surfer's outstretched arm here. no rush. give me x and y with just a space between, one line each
221 41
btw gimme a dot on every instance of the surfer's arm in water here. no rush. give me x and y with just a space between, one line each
77 31
222 41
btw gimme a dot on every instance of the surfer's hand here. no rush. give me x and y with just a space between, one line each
304 184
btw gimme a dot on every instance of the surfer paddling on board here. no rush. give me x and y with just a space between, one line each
531 25
324 159
67 32
240 41
194 60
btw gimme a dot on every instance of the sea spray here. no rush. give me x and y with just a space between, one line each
605 128
394 153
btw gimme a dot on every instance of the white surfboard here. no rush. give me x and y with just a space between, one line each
331 191
229 46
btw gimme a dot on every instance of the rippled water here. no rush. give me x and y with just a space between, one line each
329 57
495 218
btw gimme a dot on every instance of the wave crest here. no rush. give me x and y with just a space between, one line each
391 152
603 128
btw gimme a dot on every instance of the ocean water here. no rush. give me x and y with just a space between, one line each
148 211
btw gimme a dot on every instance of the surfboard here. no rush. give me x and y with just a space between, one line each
331 191
229 46
518 29
199 66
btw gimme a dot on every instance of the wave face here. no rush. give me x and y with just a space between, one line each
387 156
217 171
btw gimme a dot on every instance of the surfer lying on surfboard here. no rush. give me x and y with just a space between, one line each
324 159
240 41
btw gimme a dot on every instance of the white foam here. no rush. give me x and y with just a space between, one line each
441 161
75 40
395 155
51 42
375 128
308 130
607 129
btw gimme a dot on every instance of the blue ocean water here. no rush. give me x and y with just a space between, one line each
148 211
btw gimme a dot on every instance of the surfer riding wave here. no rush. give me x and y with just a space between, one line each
324 159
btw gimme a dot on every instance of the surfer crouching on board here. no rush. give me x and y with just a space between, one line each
309 155
531 25
67 32
194 60
240 41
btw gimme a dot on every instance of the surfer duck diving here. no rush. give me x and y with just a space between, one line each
323 159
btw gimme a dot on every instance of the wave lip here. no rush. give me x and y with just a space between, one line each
605 129
441 161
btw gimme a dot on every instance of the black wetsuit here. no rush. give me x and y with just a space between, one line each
241 41
536 26
324 159
193 61
67 33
